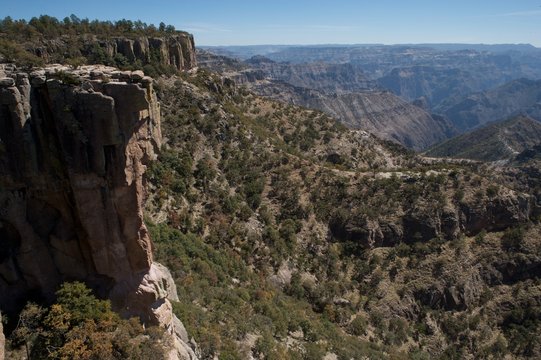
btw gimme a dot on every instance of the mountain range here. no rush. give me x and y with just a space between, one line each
477 109
447 89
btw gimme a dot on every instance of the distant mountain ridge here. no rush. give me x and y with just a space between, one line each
502 140
247 51
342 91
512 98
328 78
465 85
434 71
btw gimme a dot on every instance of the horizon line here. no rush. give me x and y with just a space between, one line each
379 44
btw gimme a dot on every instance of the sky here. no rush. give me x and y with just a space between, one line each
255 22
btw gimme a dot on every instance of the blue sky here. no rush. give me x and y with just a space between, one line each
238 22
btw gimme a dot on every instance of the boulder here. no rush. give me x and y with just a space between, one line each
7 82
148 295
137 75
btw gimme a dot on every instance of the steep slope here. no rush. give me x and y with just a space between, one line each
74 146
389 117
294 237
2 339
518 96
497 141
379 112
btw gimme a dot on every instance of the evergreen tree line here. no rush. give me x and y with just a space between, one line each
49 27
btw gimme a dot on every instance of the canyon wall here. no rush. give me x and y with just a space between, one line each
177 50
379 112
2 339
74 146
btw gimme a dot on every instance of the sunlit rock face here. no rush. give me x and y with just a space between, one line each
176 50
2 340
74 147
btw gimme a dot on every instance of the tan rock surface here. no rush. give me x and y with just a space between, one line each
2 340
73 153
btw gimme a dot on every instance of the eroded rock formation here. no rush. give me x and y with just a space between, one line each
2 339
177 50
423 222
74 146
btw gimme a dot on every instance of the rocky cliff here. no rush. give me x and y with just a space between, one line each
2 339
74 146
177 50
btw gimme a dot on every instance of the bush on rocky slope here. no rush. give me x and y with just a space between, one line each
290 236
80 326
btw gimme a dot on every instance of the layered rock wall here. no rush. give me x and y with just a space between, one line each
177 50
74 146
2 339
423 223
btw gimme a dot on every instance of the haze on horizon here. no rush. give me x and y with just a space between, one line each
238 22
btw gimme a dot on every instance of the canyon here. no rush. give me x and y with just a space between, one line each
341 90
222 200
456 86
520 96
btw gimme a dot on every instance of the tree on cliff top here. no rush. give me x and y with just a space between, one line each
46 27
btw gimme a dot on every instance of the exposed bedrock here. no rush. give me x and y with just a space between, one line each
74 147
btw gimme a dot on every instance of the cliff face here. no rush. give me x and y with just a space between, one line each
2 339
73 150
177 50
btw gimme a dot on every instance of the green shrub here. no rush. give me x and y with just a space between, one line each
512 238
358 326
80 326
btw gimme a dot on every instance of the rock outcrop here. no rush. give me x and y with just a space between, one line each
74 146
2 339
422 223
177 50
